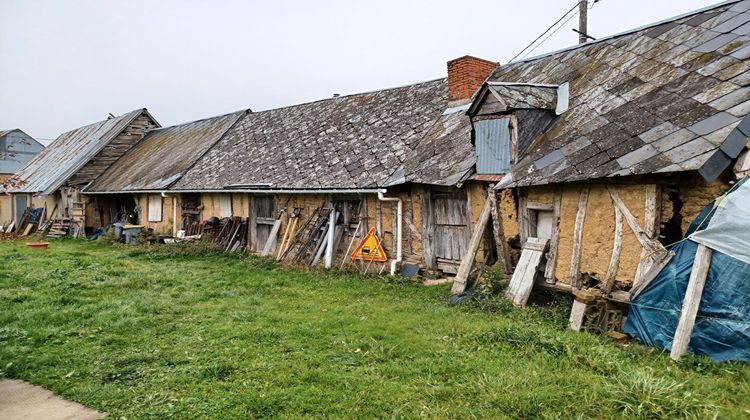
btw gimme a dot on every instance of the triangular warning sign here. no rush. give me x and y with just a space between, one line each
370 249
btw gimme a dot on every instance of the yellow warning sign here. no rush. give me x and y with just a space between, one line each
370 249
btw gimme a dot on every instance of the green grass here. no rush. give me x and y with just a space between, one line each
138 333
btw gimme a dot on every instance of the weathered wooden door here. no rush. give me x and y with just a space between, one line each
263 214
22 202
451 226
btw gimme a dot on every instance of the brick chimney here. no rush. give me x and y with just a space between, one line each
465 75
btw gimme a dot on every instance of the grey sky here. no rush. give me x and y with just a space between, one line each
69 63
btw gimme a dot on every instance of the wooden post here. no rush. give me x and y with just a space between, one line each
462 277
614 261
649 228
549 270
428 229
523 215
575 260
692 302
577 313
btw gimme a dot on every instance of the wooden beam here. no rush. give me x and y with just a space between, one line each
549 269
523 215
575 260
462 277
614 261
498 233
691 302
647 242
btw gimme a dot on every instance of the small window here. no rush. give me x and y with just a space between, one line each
541 224
154 208
225 205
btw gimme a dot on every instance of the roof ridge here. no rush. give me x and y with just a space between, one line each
352 95
624 33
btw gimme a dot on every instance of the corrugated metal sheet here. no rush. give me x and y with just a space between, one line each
493 145
16 150
70 152
163 156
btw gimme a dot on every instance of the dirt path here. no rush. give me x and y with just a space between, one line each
21 400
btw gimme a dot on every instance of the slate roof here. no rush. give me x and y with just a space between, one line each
347 142
665 98
51 167
445 156
163 155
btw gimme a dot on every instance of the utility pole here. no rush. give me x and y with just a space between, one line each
583 8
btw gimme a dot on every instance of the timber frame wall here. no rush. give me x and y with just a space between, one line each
610 231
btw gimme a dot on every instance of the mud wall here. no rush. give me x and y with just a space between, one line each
598 229
163 227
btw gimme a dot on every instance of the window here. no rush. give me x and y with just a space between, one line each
154 208
541 223
225 205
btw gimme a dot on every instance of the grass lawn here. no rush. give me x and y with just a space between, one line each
142 333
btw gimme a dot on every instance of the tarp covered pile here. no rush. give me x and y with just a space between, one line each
722 326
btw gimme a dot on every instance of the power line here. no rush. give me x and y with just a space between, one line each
547 30
548 36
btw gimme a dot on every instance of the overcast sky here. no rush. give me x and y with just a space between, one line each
64 64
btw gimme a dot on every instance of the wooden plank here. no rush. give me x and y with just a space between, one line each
525 273
462 277
498 233
692 301
549 269
614 260
575 259
271 241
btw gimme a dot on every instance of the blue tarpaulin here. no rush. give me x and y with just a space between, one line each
722 327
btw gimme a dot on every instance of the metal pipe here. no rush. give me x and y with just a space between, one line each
399 211
329 239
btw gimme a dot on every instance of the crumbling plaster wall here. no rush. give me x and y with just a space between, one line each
163 227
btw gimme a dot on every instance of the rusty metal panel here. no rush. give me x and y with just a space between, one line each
493 145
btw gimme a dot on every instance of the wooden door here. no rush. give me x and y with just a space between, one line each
22 202
451 225
263 214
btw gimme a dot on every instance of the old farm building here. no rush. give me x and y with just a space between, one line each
577 169
53 179
16 149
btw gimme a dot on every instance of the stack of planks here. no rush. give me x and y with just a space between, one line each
233 234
